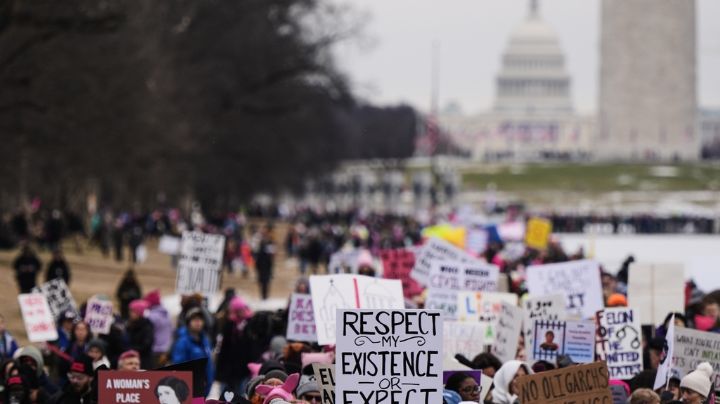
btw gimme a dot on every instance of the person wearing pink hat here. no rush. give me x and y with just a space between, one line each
162 325
140 332
235 350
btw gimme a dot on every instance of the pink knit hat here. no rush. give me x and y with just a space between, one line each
139 306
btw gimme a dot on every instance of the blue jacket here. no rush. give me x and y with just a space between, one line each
8 346
187 348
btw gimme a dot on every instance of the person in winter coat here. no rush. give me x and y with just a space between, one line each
26 265
58 268
96 351
127 291
696 386
234 354
192 343
506 390
264 259
79 389
162 325
32 357
140 333
8 346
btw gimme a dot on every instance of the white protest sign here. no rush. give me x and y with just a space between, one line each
333 292
550 307
58 297
448 279
169 245
483 306
573 338
389 356
467 339
578 281
344 261
693 347
301 320
667 357
99 315
656 290
507 332
618 342
39 321
436 251
199 266
325 378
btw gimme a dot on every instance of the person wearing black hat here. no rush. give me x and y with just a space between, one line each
193 343
79 388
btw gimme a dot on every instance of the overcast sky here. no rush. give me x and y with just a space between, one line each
390 64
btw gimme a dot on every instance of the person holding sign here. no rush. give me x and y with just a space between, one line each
506 388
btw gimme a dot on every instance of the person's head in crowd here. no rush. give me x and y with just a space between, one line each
308 390
656 350
365 264
644 396
81 374
279 394
707 318
609 284
129 360
673 387
487 363
96 349
195 321
616 300
274 378
171 390
505 381
67 321
644 379
80 333
542 366
302 285
239 310
250 392
465 385
153 298
680 320
31 356
137 309
695 386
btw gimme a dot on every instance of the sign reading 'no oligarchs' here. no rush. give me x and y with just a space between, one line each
573 384
578 281
389 356
199 267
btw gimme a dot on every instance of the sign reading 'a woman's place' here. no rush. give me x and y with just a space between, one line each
389 356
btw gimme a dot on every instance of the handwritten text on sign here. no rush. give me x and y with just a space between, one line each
39 322
575 384
301 320
618 341
199 265
579 281
99 315
389 356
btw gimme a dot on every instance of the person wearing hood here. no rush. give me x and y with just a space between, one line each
96 351
162 325
193 343
140 332
505 381
234 355
32 357
696 386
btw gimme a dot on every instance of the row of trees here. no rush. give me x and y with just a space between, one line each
217 99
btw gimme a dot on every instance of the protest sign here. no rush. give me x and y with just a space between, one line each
667 357
58 297
693 347
448 279
574 384
507 332
199 266
618 342
332 292
550 307
467 339
578 281
39 322
573 338
169 245
397 264
476 240
538 233
301 320
483 306
344 261
124 387
433 252
656 290
393 355
325 377
99 315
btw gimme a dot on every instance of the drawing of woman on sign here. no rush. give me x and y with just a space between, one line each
549 344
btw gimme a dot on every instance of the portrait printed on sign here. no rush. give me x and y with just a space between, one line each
548 337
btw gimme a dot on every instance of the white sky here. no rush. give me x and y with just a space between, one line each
391 62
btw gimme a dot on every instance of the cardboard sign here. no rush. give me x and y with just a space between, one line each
386 356
656 290
169 245
325 377
397 264
538 232
507 332
551 307
619 342
436 251
579 281
99 315
58 297
573 338
483 306
343 262
199 266
301 319
333 292
123 387
574 384
447 280
693 347
467 339
39 321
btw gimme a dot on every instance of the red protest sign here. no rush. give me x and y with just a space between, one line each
124 387
397 264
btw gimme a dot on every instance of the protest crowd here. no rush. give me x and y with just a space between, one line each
386 309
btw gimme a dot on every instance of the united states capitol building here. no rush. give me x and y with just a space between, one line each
647 102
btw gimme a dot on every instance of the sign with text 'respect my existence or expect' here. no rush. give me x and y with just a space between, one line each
389 356
571 385
578 281
656 290
199 266
99 315
448 279
573 338
507 332
693 347
397 264
39 321
126 387
436 251
618 341
325 377
301 319
58 297
344 291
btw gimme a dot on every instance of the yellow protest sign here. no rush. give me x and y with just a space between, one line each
538 233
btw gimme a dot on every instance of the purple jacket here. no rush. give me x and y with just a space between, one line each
160 319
